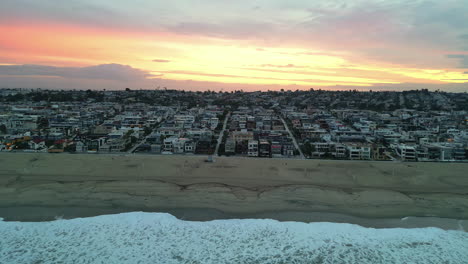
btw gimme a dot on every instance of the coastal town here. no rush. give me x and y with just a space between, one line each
417 125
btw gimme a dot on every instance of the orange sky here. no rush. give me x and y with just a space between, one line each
214 58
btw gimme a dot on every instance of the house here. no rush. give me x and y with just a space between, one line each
276 149
340 151
184 120
358 151
168 144
445 151
199 134
80 147
230 146
406 152
178 145
239 136
190 146
204 147
252 148
214 121
296 123
21 123
96 144
288 149
37 144
155 148
264 148
379 152
322 147
113 145
102 130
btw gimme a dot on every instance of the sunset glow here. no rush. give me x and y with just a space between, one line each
261 51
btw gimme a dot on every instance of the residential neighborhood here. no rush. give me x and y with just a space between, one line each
407 126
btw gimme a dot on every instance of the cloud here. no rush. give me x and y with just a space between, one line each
232 29
411 33
462 57
281 66
320 54
161 61
456 56
103 77
407 33
116 72
314 79
312 72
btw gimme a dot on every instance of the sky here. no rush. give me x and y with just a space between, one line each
234 45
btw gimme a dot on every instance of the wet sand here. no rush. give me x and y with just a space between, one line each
40 214
36 187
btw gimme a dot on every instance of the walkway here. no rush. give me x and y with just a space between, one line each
220 138
293 139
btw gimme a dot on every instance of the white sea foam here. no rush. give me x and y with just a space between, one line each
161 238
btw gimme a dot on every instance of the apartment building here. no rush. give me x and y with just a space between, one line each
253 148
358 151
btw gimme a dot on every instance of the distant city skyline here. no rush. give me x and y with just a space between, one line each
227 45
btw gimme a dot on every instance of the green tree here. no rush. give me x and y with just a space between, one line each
15 98
148 130
3 129
128 134
308 148
22 145
42 123
70 148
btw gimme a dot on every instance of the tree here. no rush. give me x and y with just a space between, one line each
128 134
148 130
308 148
59 146
15 98
3 129
22 145
70 148
42 123
328 155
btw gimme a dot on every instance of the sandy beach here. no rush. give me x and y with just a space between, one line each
36 187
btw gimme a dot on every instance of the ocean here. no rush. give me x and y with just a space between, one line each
161 238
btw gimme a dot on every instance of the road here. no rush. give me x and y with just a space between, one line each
139 144
293 138
220 138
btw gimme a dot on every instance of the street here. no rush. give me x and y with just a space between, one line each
220 138
293 138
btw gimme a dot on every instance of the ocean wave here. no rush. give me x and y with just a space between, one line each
162 238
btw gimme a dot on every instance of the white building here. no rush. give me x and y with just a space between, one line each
358 151
252 148
406 152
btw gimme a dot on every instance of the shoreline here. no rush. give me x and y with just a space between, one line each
46 214
269 188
